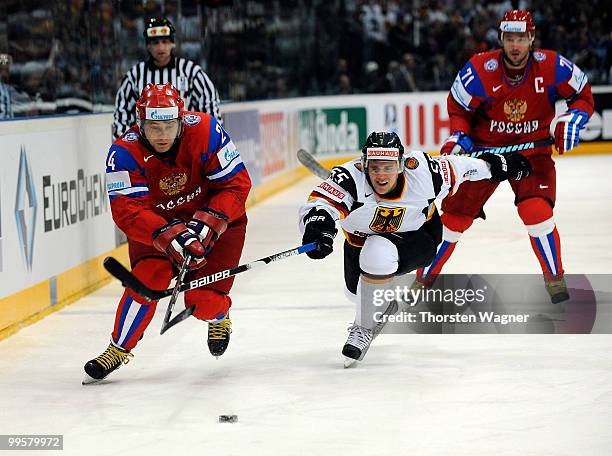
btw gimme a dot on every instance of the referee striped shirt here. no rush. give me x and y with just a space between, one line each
6 110
192 83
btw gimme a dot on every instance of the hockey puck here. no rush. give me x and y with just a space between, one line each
228 418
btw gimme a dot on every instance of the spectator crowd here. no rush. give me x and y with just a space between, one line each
69 56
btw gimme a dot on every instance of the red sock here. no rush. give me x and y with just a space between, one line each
134 313
537 215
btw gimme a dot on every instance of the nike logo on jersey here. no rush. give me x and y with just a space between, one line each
543 186
146 159
367 196
496 88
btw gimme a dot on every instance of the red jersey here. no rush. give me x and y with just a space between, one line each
483 104
147 191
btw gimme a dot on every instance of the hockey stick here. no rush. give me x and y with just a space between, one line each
479 150
129 280
312 164
167 324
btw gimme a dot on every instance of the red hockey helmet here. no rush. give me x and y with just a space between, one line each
517 21
160 102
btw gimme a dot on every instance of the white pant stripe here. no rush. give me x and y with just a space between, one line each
548 253
127 323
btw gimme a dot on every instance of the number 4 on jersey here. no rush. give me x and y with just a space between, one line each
111 160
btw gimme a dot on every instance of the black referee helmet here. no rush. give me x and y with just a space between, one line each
157 28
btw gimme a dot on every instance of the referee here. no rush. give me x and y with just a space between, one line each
163 66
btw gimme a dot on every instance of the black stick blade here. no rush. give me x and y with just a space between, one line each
182 315
312 164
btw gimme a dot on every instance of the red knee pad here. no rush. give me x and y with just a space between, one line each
210 304
534 210
154 273
457 223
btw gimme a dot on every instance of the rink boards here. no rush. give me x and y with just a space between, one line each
55 222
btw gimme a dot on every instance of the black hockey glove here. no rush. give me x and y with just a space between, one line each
319 227
512 166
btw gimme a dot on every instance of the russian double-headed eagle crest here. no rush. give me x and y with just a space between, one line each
515 109
173 183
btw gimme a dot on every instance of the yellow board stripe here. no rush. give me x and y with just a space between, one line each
32 304
21 305
591 149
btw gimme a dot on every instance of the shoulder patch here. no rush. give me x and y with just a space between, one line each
331 191
230 152
539 56
445 172
117 180
192 119
130 136
491 65
411 163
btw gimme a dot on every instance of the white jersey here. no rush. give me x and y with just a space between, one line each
348 196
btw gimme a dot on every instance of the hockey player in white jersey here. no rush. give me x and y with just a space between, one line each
384 202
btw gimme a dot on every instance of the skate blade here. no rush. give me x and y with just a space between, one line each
87 380
349 362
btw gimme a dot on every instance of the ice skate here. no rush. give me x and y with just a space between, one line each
557 289
219 336
100 367
357 344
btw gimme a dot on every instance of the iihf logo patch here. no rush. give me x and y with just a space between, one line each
130 136
192 119
491 65
539 56
411 163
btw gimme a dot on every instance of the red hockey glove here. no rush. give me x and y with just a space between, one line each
208 225
458 143
176 241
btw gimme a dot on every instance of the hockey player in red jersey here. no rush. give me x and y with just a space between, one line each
177 185
505 97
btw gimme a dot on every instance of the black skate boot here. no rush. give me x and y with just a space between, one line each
219 336
100 367
357 344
